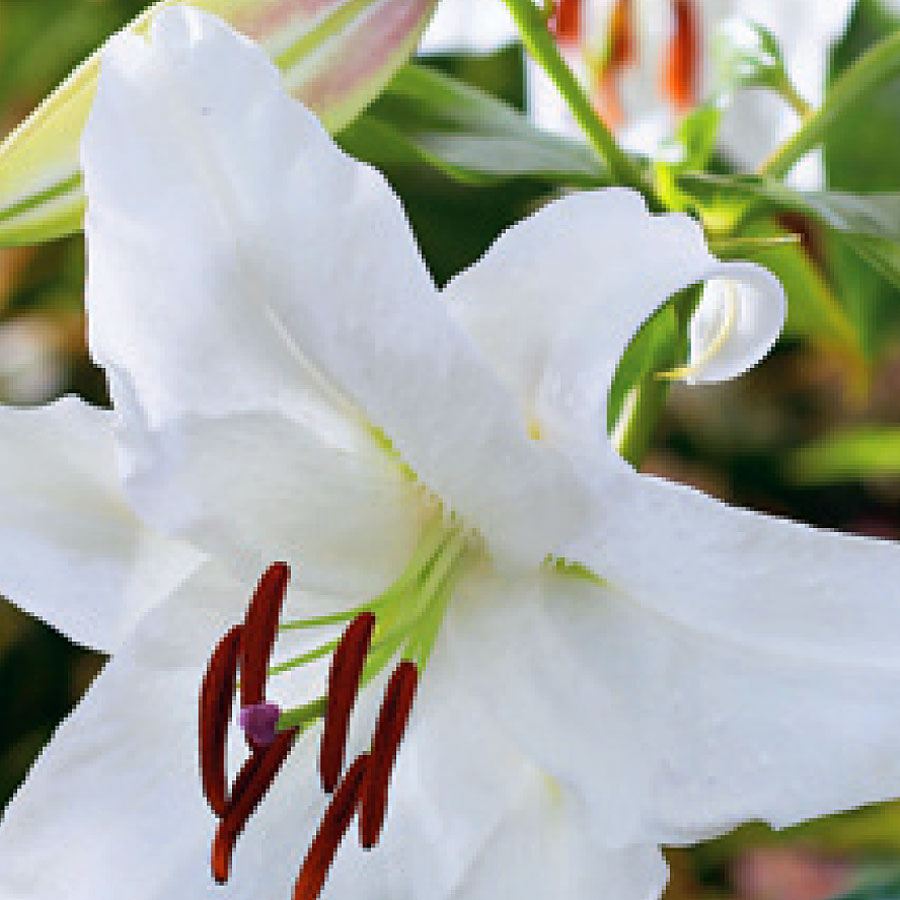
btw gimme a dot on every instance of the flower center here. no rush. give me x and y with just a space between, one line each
402 621
408 615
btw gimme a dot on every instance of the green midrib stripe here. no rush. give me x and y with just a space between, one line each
26 204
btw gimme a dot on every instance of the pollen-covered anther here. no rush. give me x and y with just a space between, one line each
260 631
216 699
680 74
343 685
565 23
335 823
392 719
621 52
250 786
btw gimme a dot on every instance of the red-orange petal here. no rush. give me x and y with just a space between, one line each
216 698
251 785
343 684
260 631
389 729
331 832
681 63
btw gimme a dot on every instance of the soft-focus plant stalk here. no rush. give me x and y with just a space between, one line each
335 58
537 38
876 67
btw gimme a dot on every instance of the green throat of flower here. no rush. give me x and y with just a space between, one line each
402 622
408 615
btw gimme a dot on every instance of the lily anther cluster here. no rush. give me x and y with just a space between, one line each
605 661
363 787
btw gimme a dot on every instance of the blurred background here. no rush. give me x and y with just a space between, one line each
812 434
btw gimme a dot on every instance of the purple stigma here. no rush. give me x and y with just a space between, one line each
258 721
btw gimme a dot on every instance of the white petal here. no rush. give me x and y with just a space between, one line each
253 488
115 801
556 300
545 848
239 262
72 552
468 25
670 729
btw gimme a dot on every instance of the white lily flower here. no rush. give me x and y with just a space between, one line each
266 323
468 25
754 122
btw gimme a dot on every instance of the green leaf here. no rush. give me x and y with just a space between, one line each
746 54
638 395
874 214
851 455
428 117
882 884
860 156
860 148
335 59
691 148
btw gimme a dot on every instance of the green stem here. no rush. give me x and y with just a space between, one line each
540 43
880 64
789 93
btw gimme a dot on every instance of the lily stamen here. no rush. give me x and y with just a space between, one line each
681 65
335 823
565 23
389 729
343 685
621 52
216 698
260 631
251 785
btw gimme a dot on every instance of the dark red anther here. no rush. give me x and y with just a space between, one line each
343 684
216 697
331 832
260 631
250 786
681 64
566 21
621 52
392 719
